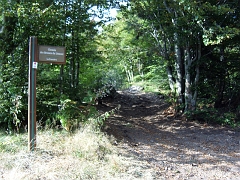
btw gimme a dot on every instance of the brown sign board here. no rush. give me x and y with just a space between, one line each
52 54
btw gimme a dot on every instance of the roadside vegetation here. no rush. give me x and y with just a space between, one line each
85 154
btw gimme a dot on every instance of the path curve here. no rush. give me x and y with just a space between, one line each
173 148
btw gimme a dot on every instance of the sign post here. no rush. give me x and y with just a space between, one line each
33 58
42 54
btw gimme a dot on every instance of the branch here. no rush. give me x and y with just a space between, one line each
168 8
3 26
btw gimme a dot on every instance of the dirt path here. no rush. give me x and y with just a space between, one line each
173 148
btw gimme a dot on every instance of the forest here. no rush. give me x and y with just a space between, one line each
187 51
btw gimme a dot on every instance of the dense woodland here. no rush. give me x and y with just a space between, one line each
187 50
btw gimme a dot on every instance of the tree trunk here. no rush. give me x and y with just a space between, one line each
77 73
179 69
77 64
171 80
61 74
191 80
61 78
188 91
221 87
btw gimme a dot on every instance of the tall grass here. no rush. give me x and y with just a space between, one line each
85 154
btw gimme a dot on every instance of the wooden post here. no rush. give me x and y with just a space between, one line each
33 59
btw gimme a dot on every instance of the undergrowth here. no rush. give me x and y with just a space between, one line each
85 154
210 115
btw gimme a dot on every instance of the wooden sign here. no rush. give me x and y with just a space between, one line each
44 54
52 54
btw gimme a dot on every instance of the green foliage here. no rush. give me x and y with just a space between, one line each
206 113
137 48
123 50
98 122
57 24
12 93
229 118
207 34
72 114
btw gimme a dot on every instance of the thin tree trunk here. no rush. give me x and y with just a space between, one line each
199 55
77 70
61 75
71 69
190 81
61 78
170 78
3 24
221 87
188 92
179 69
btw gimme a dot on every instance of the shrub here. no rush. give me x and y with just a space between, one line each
72 114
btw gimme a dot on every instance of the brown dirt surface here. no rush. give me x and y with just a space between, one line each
173 148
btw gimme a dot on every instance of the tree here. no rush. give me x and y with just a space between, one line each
123 49
59 23
184 29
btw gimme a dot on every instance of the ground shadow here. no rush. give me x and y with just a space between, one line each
165 141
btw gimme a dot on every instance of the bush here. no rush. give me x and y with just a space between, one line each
213 116
72 114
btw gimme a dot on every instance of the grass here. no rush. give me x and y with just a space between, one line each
86 154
